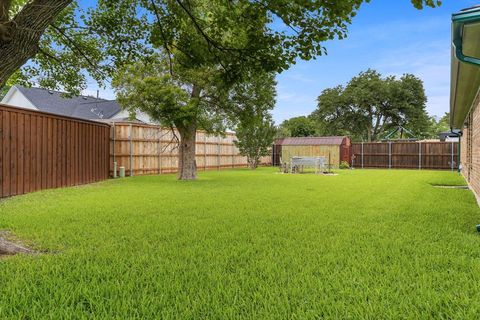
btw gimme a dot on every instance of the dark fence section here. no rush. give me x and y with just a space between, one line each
42 151
407 155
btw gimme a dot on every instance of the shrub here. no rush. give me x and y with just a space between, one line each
344 165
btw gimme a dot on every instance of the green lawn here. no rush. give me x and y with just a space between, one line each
241 244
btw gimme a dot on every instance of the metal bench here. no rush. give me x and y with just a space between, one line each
297 163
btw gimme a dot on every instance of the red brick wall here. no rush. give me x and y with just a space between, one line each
470 149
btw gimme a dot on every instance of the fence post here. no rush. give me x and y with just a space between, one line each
131 151
159 150
419 155
274 155
362 155
218 153
233 155
389 155
205 151
113 151
451 151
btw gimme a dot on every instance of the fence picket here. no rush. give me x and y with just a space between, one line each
39 151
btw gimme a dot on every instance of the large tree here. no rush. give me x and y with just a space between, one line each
182 99
370 106
217 43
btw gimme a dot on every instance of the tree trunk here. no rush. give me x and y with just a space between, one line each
253 162
19 37
187 165
8 247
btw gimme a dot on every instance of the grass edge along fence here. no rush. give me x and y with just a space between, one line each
41 150
144 149
406 155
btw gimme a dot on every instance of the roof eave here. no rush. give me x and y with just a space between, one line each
465 73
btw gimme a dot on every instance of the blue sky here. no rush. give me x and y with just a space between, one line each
387 35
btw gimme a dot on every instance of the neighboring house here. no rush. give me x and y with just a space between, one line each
449 137
464 95
84 107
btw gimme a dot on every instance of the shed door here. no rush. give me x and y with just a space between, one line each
345 153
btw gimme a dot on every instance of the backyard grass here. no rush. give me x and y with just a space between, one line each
241 244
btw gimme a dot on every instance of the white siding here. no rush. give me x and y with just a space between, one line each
140 116
15 98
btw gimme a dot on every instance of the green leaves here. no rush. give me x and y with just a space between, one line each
297 127
370 106
251 102
420 4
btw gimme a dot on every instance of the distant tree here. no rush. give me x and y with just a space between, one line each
439 125
443 124
370 106
299 127
255 138
282 132
252 102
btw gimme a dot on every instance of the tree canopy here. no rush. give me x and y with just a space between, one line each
297 127
66 41
370 106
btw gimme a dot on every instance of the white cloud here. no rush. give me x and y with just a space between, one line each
430 62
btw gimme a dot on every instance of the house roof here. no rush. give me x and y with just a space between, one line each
465 71
310 141
80 106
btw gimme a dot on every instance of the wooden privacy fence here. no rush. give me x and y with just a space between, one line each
149 149
41 151
408 155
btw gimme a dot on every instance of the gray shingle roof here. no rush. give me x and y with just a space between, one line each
80 107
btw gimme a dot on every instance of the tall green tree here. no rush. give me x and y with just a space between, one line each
439 125
217 43
184 100
370 106
298 127
252 102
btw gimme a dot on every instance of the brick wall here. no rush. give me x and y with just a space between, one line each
463 153
470 149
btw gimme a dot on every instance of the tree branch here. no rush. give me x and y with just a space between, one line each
164 38
78 49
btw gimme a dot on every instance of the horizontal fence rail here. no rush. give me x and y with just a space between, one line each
144 149
406 155
42 151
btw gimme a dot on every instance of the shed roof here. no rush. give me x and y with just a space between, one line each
310 141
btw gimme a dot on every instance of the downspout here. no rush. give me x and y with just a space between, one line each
459 135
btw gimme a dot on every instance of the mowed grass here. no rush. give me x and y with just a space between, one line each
252 245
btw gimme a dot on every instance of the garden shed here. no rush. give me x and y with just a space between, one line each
337 149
